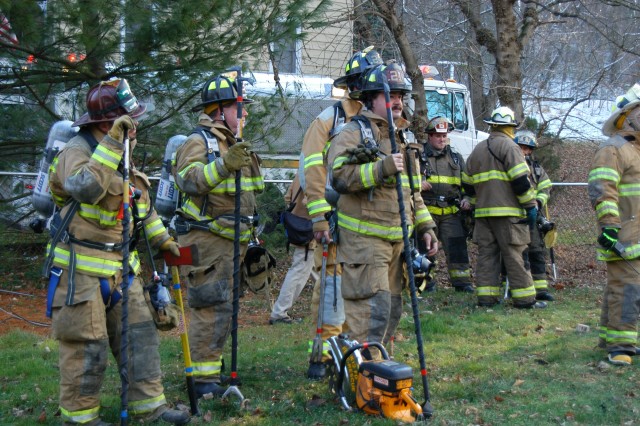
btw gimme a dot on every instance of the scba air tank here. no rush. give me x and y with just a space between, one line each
167 196
61 133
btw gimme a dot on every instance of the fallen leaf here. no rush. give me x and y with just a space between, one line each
42 417
518 382
207 416
498 398
315 401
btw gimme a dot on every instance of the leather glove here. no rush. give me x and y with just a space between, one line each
389 166
362 154
168 317
532 216
172 246
237 156
122 124
608 238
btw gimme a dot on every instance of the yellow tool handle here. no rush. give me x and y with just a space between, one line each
175 277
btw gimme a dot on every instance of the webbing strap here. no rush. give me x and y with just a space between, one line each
64 224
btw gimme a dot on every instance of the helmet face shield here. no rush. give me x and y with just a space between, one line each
125 97
109 100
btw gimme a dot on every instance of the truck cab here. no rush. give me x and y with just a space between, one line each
450 99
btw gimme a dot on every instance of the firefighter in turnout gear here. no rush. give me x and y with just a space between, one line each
205 166
313 178
370 245
497 179
85 263
441 190
614 185
535 255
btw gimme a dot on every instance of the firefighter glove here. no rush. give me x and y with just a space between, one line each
608 238
120 126
532 216
362 154
237 157
172 246
389 167
167 318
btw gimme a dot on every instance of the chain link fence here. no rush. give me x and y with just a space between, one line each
574 253
575 249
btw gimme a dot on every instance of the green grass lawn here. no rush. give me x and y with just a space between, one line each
500 367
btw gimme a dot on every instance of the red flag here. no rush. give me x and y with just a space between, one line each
6 33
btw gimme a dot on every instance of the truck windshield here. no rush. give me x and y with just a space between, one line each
450 105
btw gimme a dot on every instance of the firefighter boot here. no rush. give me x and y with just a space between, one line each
175 417
545 295
620 358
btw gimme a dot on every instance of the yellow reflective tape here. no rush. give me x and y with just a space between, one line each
605 173
81 416
147 405
499 212
448 180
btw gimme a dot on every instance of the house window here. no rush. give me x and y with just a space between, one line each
286 52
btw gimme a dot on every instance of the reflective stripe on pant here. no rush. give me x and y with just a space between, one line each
85 333
331 315
621 307
210 296
535 260
502 237
372 280
454 243
295 280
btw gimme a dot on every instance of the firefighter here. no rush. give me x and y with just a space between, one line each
205 167
614 180
497 177
535 255
86 181
441 169
370 246
314 183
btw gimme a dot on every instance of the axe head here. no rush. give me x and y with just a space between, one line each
188 256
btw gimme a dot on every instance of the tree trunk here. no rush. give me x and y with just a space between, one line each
509 88
419 119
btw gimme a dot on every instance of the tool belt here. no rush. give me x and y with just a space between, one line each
184 226
441 205
65 237
442 201
109 247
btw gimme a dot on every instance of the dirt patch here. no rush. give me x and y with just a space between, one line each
23 307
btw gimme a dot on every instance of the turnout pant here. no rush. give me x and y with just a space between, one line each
372 283
620 307
86 332
502 238
535 261
451 234
295 280
210 294
332 316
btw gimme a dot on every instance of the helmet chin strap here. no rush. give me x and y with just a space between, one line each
222 118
